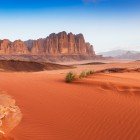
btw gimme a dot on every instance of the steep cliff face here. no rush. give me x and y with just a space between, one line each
54 45
19 47
71 43
5 46
16 47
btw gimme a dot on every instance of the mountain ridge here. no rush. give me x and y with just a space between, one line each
54 44
122 54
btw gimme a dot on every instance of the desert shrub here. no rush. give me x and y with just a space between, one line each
87 73
83 74
70 77
91 72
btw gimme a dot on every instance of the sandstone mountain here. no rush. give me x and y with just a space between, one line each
53 45
122 54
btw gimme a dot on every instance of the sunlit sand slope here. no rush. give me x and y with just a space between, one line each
100 107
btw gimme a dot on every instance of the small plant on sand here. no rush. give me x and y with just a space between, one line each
70 77
82 75
85 74
91 72
88 73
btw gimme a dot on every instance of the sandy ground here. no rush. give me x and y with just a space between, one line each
100 107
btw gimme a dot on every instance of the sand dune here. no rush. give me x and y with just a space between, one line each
26 66
100 107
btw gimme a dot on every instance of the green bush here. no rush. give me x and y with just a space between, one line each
83 74
70 77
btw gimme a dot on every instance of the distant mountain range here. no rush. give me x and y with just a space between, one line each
122 54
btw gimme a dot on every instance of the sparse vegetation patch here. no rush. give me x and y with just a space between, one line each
82 75
70 77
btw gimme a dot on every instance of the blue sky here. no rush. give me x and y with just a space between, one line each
107 24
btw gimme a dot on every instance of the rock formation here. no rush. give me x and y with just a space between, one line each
10 114
53 45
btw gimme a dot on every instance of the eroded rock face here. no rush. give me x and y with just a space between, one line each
5 46
55 44
89 49
10 114
71 44
18 47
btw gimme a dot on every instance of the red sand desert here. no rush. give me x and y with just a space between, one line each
99 107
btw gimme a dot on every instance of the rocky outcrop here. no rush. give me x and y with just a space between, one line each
10 114
16 47
54 45
19 47
5 46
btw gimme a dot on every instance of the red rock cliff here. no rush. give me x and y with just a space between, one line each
55 44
